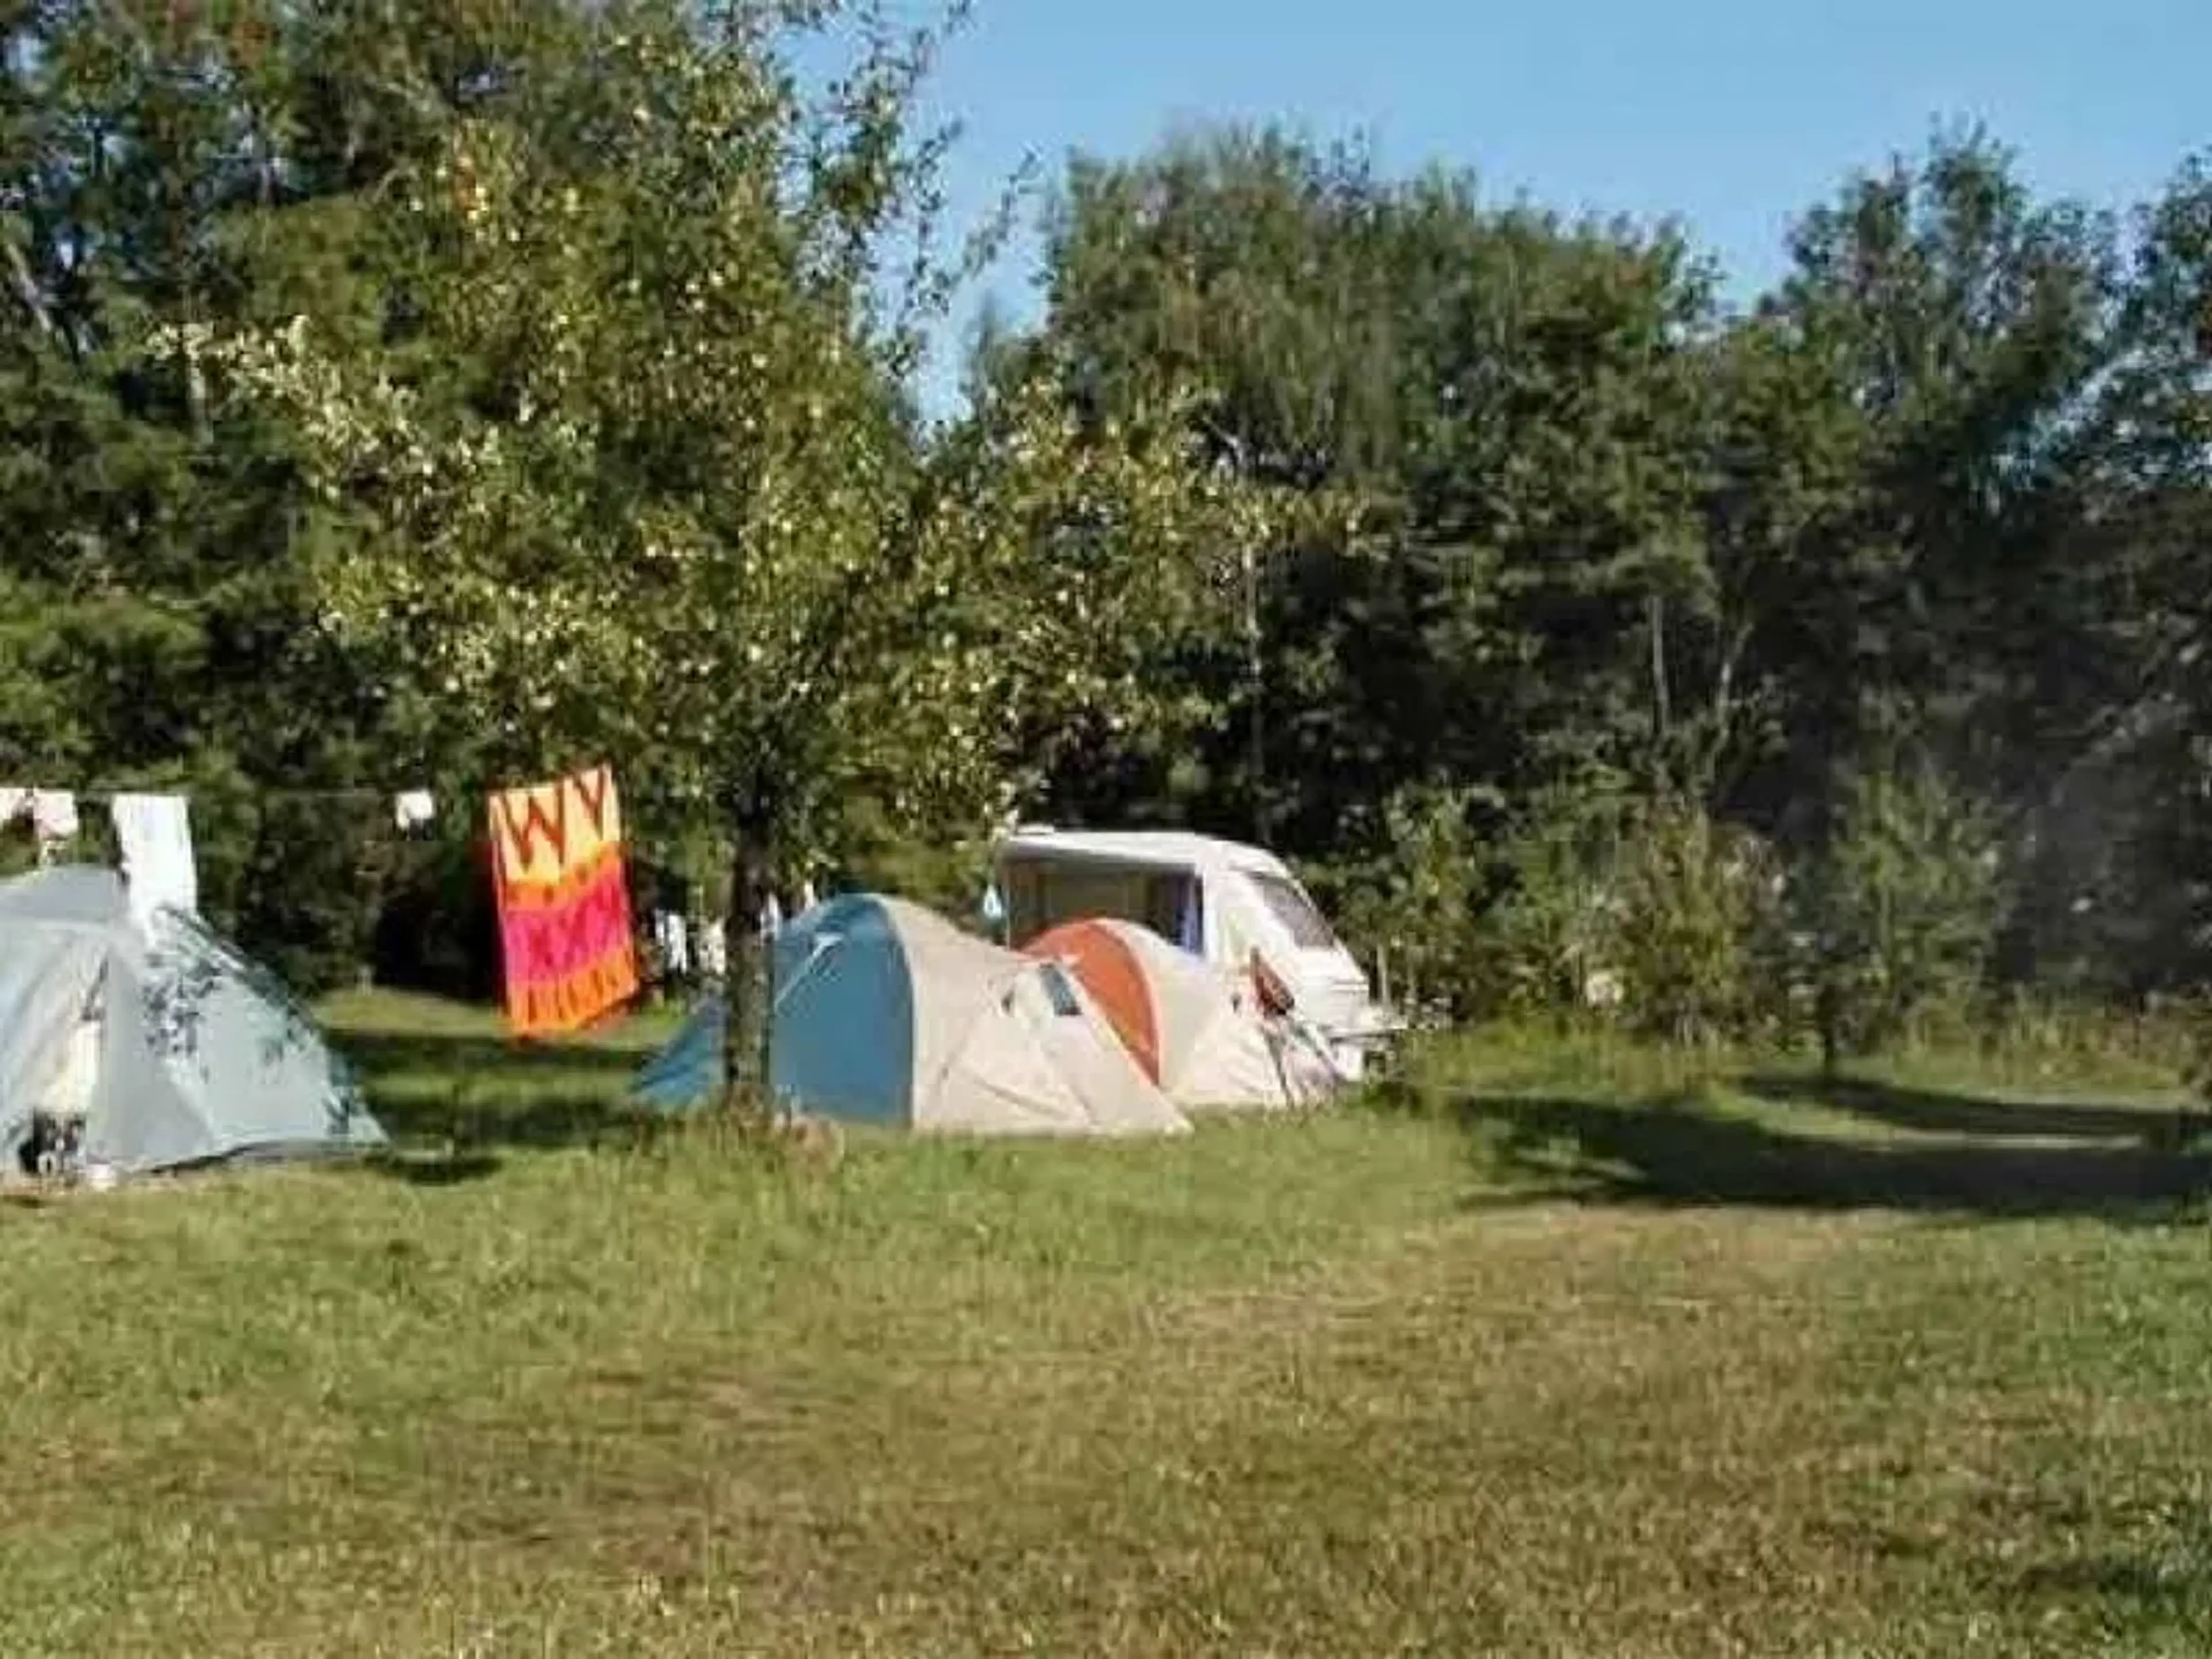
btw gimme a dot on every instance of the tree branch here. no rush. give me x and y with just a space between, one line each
26 288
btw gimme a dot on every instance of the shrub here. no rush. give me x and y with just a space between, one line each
1549 936
1691 896
1900 909
1418 902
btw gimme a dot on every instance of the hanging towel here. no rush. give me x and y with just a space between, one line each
13 802
155 834
53 814
413 808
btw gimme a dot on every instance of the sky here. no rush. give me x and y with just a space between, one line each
1731 115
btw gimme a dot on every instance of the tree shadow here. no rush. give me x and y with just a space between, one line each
1678 1152
453 1169
472 1092
2117 1578
1934 1112
375 1052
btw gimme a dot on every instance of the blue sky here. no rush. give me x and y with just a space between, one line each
1733 115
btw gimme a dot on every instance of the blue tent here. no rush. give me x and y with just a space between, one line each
884 1012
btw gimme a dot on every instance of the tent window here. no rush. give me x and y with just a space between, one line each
1061 992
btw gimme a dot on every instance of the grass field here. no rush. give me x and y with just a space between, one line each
1559 1349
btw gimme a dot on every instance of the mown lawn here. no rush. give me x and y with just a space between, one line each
1565 1349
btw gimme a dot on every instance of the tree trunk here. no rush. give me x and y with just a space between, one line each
1255 668
751 986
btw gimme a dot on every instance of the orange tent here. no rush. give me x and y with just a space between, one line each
1196 1032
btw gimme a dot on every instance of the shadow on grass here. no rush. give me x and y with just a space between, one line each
1681 1152
472 1092
387 1052
2120 1578
1931 1111
453 1169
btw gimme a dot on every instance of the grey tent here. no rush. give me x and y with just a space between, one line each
168 1047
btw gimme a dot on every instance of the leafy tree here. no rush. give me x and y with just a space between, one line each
1493 419
621 408
1959 326
156 627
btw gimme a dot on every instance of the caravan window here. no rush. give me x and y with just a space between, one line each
1041 895
1289 904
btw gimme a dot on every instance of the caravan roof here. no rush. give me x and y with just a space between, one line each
1163 849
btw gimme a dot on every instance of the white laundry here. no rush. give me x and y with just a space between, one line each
13 802
413 808
53 814
155 832
674 937
713 949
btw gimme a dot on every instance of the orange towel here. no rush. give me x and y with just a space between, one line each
563 893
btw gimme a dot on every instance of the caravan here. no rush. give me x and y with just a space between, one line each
1222 901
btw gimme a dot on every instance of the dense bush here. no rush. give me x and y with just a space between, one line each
307 900
1899 908
1416 906
1548 939
1694 896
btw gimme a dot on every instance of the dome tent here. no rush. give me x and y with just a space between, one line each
887 1014
1195 1030
167 1046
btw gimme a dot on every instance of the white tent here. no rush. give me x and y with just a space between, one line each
1195 1029
161 1044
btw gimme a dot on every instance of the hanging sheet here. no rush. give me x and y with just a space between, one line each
563 895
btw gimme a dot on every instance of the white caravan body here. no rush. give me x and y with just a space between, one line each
1222 901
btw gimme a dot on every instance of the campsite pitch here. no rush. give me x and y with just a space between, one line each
1566 1355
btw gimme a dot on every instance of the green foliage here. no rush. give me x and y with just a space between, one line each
1417 906
1901 907
313 886
1647 911
443 394
1490 419
1690 895
1934 493
1550 935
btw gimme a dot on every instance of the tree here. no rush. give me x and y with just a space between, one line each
157 630
1959 326
621 405
1494 420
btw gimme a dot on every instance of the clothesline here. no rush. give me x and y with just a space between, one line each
102 796
54 812
97 797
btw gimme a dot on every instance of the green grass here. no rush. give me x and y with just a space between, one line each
1574 1349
